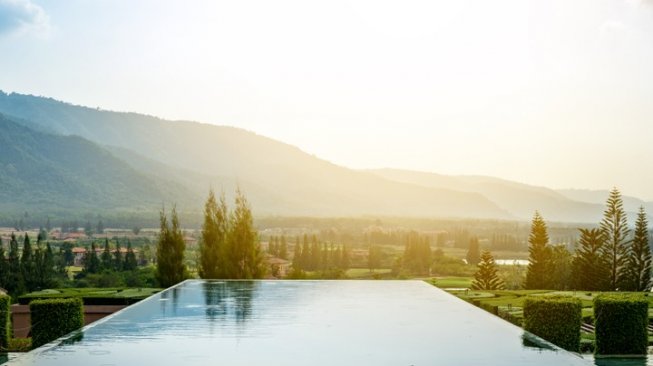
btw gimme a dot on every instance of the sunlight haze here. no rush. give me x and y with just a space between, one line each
551 93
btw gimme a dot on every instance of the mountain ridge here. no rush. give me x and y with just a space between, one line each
281 179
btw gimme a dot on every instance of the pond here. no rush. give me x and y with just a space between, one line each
301 323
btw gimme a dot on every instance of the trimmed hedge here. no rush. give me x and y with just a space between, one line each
55 318
620 323
556 319
5 321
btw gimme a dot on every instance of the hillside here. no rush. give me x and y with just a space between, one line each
631 204
519 199
278 178
52 173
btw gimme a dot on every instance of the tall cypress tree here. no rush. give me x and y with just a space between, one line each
639 259
4 267
297 256
474 252
283 249
117 258
539 266
614 227
130 258
91 261
15 283
245 259
170 268
486 277
214 235
28 265
590 270
106 262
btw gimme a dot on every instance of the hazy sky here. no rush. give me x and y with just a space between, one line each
551 92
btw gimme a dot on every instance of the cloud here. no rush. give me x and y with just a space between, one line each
23 16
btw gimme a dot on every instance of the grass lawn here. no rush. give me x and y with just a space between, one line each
88 294
354 273
451 282
512 301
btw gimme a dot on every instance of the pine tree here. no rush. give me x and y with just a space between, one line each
214 238
47 269
561 268
316 255
15 284
614 227
474 251
245 259
296 257
486 277
539 266
106 262
170 268
4 267
283 250
345 260
130 258
374 257
305 261
590 270
28 265
639 259
117 258
91 261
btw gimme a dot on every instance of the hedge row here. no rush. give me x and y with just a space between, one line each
556 319
55 318
620 324
5 323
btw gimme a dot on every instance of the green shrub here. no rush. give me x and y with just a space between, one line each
620 321
556 319
5 314
55 318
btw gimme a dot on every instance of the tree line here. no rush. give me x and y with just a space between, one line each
229 247
609 257
319 256
33 268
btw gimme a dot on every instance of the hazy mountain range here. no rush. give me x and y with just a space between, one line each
58 157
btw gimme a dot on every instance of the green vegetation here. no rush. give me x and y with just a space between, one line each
214 238
325 261
93 296
621 322
486 277
590 268
170 268
451 282
54 318
606 260
639 259
5 321
556 319
539 267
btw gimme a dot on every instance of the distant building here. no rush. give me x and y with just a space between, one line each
79 253
277 267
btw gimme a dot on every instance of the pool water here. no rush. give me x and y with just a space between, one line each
398 323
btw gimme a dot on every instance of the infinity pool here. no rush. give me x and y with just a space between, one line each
398 323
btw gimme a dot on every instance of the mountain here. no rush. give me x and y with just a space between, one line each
521 200
631 204
53 173
277 178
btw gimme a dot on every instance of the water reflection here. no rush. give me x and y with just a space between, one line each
223 298
531 341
